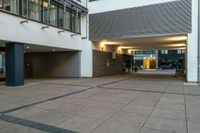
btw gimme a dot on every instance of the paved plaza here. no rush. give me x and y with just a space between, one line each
115 104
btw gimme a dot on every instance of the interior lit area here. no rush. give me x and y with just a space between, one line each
159 53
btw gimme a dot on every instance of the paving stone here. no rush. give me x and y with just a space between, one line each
26 112
19 129
165 124
193 115
148 130
50 117
80 124
100 104
170 105
72 109
4 124
143 104
135 119
193 127
116 127
97 113
174 98
136 109
50 105
166 113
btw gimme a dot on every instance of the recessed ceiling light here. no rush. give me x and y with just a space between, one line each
27 47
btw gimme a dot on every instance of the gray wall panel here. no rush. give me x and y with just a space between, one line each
100 67
159 19
59 64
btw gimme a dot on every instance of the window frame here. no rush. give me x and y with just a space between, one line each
20 13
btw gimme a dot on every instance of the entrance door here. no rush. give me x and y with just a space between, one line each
150 63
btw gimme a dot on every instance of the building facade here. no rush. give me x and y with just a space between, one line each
120 22
89 38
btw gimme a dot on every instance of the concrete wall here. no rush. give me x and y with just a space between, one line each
31 33
59 64
192 47
103 64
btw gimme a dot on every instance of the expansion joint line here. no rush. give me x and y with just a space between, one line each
153 108
117 112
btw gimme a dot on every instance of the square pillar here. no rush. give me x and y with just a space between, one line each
14 64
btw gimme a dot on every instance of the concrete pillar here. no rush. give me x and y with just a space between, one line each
192 47
14 64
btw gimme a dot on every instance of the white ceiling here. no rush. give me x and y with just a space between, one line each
31 48
160 42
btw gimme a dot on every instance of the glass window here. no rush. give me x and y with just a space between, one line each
77 23
1 3
11 6
60 16
67 20
73 21
164 51
53 13
179 51
45 12
24 10
35 9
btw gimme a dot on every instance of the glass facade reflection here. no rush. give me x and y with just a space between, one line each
66 20
60 16
35 9
10 5
41 11
1 3
53 13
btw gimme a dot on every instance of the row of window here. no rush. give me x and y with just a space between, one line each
40 11
179 51
145 52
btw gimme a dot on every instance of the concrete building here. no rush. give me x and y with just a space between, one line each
146 25
89 38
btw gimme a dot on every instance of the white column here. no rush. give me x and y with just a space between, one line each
86 53
192 47
86 59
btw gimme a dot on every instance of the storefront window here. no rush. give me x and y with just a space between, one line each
67 20
60 16
11 6
53 13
